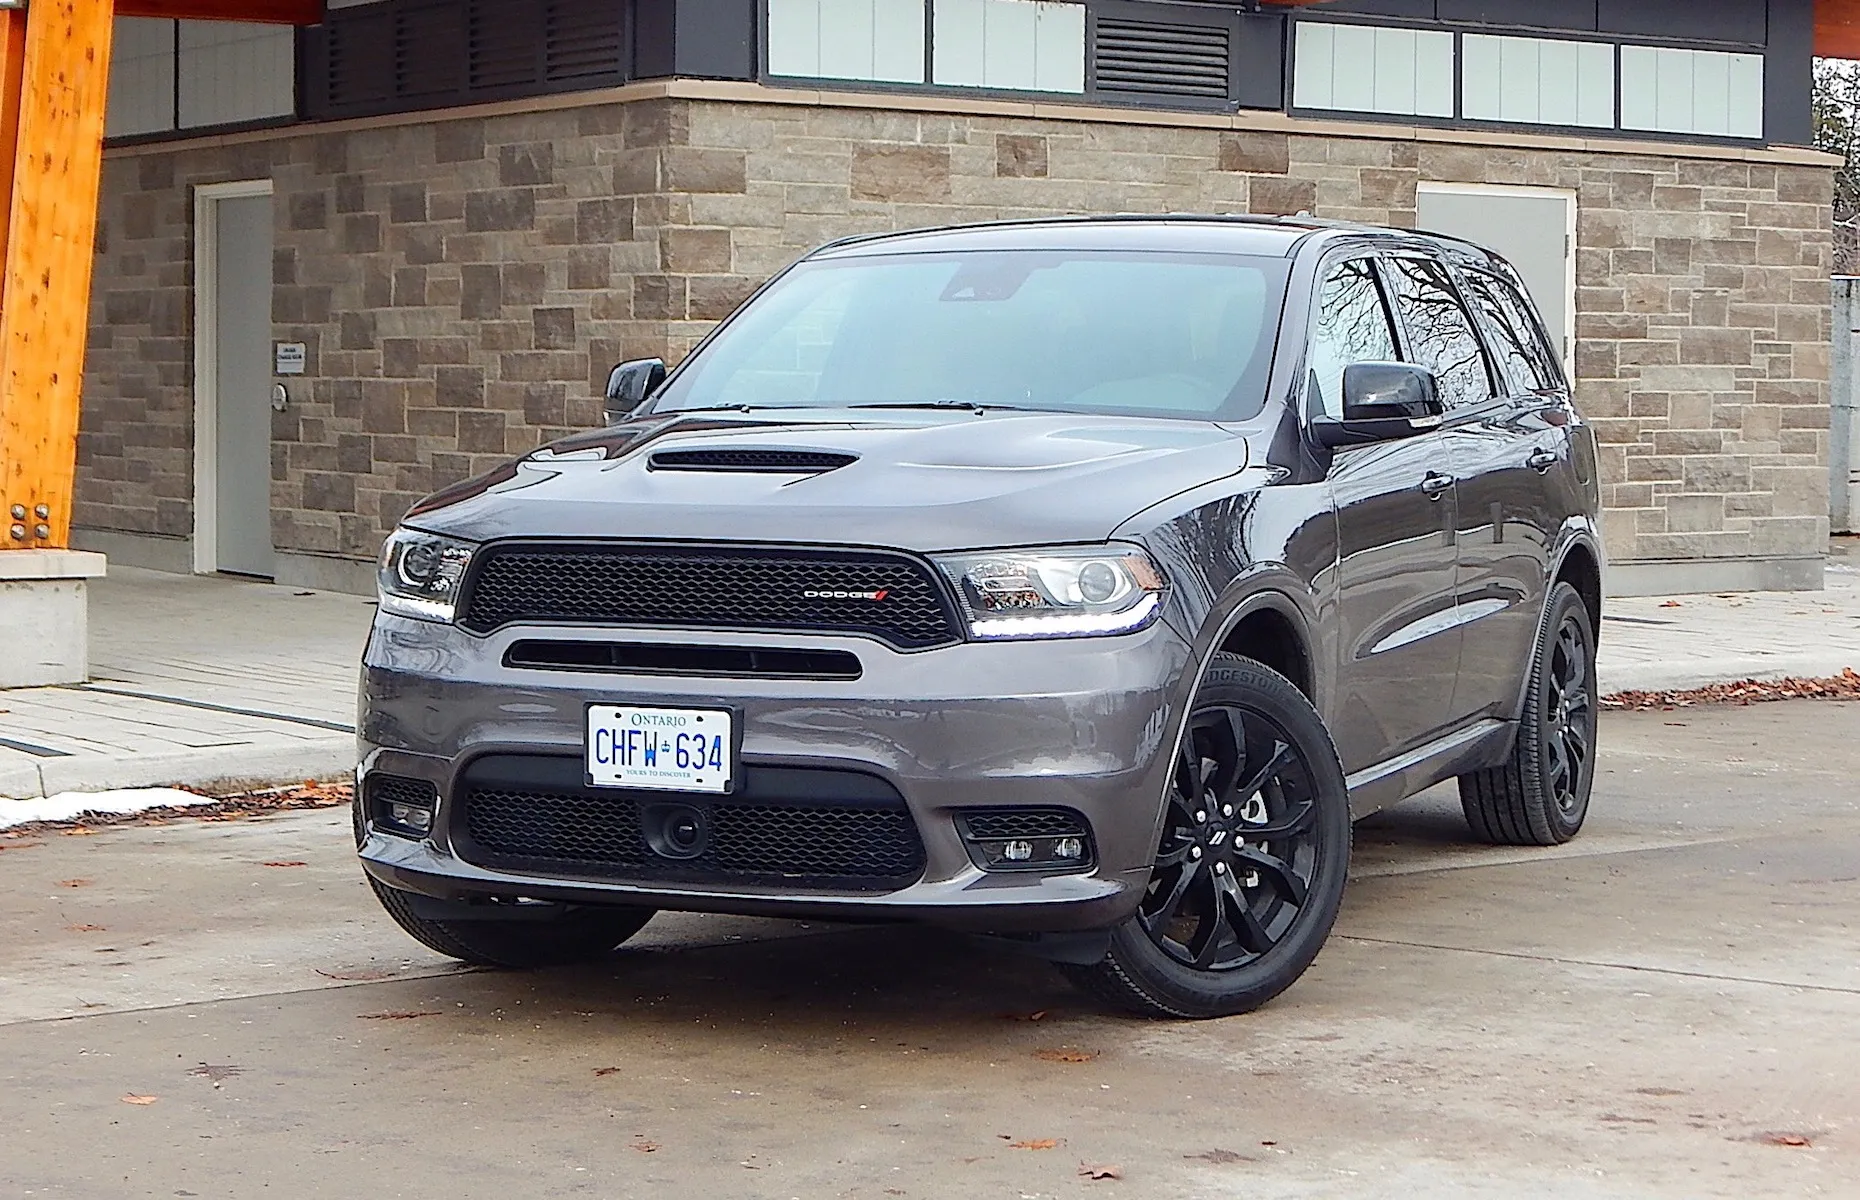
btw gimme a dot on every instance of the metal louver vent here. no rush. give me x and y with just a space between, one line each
502 47
1158 59
581 42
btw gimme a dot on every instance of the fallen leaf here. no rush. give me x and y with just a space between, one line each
1036 1144
362 975
85 928
80 831
606 1070
1221 1156
1659 1091
1269 1143
132 1098
74 883
1032 1016
1845 686
1787 1139
285 863
1671 604
406 1015
1065 1054
216 1072
645 1147
1104 1171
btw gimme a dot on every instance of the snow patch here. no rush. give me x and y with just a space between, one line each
66 806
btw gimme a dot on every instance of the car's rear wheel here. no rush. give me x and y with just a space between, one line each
1541 796
577 935
1250 868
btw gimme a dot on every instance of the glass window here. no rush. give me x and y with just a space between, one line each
1440 332
1517 337
880 40
1142 334
1537 81
1034 45
1370 68
1352 326
1692 91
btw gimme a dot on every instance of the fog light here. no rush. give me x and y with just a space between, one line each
411 816
1017 851
1069 848
1026 839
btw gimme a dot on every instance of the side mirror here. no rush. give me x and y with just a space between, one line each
1382 401
630 383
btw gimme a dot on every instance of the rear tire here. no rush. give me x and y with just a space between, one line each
1254 852
578 936
1541 796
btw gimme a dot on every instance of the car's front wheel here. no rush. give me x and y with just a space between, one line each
576 936
1250 868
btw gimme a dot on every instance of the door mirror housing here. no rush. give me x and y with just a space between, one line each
630 383
1382 401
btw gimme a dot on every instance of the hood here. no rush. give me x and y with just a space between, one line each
924 481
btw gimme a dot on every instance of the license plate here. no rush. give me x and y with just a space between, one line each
664 749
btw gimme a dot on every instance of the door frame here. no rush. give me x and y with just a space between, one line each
206 350
1568 331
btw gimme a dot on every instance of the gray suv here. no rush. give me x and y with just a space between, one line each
1071 581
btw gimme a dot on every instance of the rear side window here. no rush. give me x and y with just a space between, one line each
1440 331
1517 335
1352 326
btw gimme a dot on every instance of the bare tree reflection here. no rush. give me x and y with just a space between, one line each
1440 331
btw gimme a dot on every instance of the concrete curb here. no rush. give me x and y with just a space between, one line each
222 768
1672 676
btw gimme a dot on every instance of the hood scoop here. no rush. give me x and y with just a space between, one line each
756 461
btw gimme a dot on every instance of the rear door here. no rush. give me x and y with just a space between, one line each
1398 648
1514 467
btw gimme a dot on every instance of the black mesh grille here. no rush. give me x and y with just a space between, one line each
845 842
384 790
783 462
1162 59
889 596
1024 823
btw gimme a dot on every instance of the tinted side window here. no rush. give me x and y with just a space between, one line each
1352 326
1440 332
1518 336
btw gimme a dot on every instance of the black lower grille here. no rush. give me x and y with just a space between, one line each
887 595
1024 823
832 829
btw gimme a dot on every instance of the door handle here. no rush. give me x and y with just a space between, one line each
1436 484
1541 460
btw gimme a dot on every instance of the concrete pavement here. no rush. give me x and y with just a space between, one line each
1657 1009
217 682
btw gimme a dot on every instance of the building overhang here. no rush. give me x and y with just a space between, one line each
271 12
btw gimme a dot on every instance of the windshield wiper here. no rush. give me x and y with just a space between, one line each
958 405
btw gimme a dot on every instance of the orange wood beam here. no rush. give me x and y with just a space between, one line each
51 233
275 12
12 71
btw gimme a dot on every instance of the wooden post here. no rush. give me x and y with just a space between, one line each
56 164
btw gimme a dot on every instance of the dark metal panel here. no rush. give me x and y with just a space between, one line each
1529 14
1741 22
1413 10
1259 61
1788 74
655 39
716 39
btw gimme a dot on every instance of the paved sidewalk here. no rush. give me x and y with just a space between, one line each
210 681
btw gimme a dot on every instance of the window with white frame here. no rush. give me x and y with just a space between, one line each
1537 81
881 41
141 78
1027 45
1706 92
1371 68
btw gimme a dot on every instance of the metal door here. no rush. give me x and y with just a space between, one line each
241 386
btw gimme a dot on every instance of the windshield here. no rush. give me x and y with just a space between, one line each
1170 335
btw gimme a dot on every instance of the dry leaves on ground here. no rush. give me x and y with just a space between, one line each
1845 686
227 808
1101 1171
359 974
1787 1139
645 1147
1065 1054
85 928
74 883
404 1015
285 862
1221 1157
132 1098
1036 1144
600 1071
216 1073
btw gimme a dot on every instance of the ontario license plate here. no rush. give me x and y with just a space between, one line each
665 749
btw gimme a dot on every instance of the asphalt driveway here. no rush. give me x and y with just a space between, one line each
1666 1007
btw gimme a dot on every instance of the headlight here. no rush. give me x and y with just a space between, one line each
1061 592
420 574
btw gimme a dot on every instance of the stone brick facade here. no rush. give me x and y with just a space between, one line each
464 284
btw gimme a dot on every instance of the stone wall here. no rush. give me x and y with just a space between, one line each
464 285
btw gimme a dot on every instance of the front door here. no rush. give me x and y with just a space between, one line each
237 401
1399 645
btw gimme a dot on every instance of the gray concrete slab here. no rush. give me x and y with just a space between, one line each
1636 1014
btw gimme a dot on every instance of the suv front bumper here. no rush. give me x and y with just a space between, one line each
1084 724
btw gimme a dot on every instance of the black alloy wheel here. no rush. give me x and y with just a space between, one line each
1540 796
1251 862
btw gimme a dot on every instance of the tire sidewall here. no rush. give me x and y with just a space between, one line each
1564 604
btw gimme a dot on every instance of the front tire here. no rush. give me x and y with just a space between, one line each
1250 869
578 936
1541 796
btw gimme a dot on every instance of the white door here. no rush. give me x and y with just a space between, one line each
1533 228
232 380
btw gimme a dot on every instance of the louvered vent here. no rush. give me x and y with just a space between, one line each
582 42
429 50
1156 59
504 50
